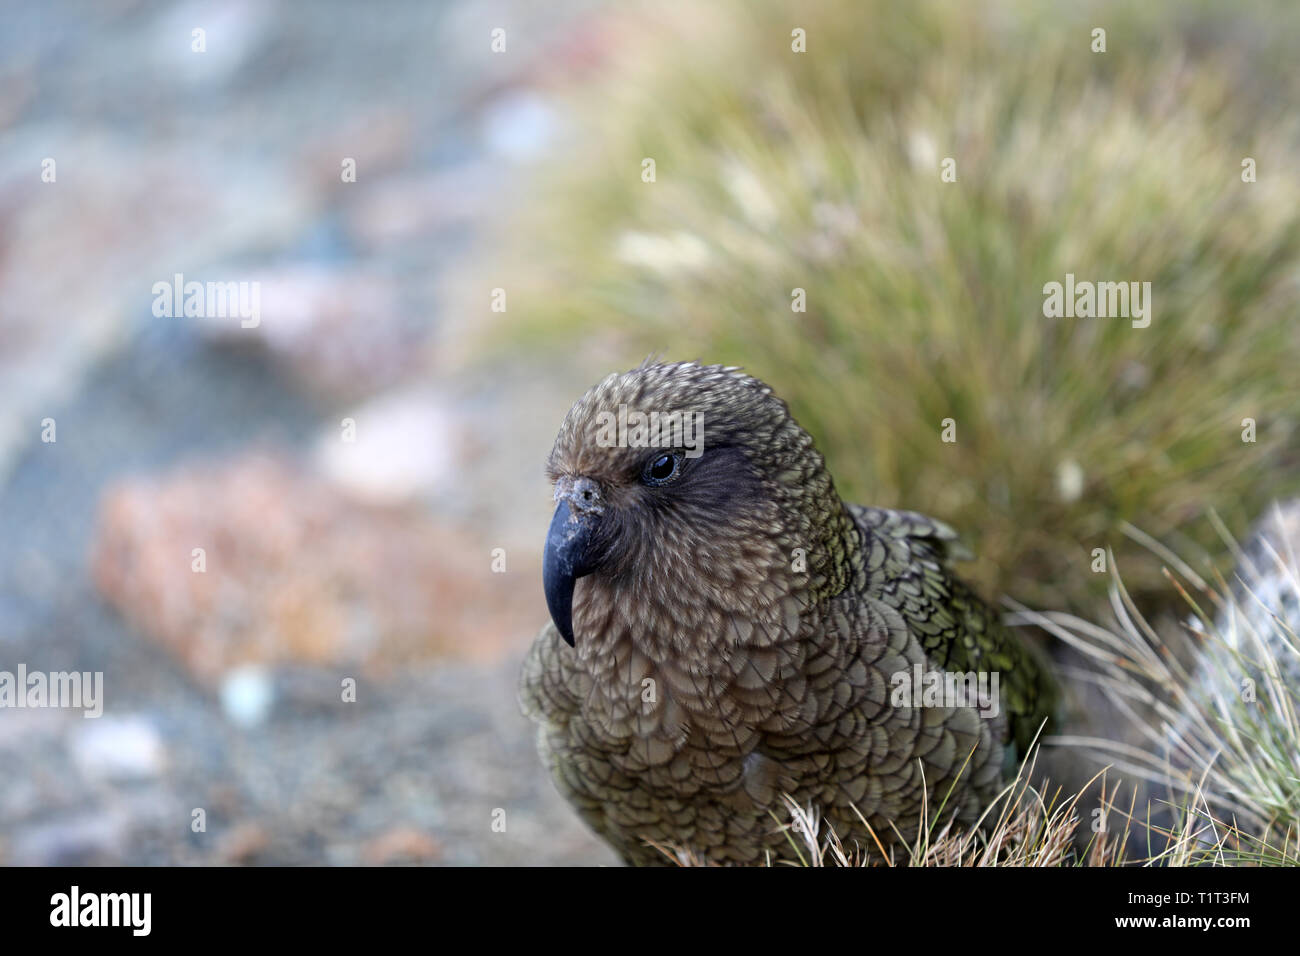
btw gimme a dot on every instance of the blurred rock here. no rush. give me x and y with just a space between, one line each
403 446
401 845
343 333
519 124
36 576
233 32
247 694
379 142
414 206
118 748
243 843
551 45
87 840
296 571
66 249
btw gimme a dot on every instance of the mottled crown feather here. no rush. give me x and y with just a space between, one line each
733 408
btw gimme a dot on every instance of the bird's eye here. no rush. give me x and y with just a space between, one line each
662 469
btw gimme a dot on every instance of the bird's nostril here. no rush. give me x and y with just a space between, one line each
584 493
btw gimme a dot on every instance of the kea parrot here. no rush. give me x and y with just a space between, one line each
727 633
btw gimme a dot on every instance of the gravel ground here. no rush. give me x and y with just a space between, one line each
411 772
229 167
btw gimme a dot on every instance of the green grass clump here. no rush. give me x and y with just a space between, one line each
1214 706
821 171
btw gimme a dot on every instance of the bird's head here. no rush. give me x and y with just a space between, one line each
687 500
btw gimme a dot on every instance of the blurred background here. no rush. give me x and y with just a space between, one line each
451 241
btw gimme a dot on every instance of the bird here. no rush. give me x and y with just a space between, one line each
727 635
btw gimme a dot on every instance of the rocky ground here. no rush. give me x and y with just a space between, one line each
323 555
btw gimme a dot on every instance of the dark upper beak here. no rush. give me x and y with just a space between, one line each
571 549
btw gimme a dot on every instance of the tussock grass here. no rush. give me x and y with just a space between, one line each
1218 726
820 171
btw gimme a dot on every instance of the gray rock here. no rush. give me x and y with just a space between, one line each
118 748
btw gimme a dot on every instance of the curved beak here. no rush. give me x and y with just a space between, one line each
570 554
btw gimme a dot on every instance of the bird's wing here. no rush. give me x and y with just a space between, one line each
907 556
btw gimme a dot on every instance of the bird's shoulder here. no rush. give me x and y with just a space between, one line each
909 531
906 556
